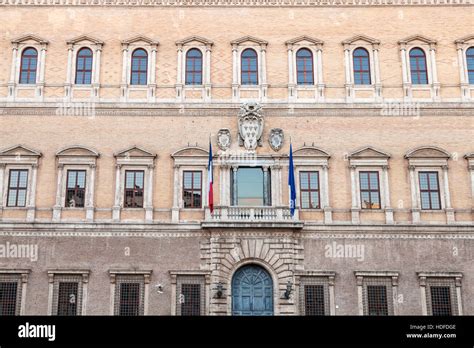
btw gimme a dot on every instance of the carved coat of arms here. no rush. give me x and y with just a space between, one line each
250 125
223 139
276 138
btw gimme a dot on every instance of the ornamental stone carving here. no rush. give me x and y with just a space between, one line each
250 125
224 139
276 139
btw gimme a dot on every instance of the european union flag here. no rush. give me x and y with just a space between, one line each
291 183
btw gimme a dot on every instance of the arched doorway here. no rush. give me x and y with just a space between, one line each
252 291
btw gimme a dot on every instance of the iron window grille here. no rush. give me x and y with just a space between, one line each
314 296
10 294
67 295
441 297
129 295
377 296
190 296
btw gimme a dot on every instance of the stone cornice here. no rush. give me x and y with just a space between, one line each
231 110
234 3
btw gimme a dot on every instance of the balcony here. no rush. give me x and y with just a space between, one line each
251 217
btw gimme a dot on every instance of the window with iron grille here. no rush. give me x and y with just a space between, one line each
84 66
418 69
441 297
314 296
470 64
377 296
129 295
192 189
309 190
75 188
429 190
29 62
67 294
190 296
304 67
17 188
10 294
361 66
139 71
193 67
134 188
369 190
248 67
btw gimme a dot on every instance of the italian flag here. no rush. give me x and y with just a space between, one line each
210 192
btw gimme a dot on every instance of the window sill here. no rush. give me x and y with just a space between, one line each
133 209
432 211
15 208
191 209
74 208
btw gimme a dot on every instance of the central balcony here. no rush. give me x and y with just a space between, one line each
251 217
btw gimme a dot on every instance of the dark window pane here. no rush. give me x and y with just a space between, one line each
250 187
314 299
17 188
429 190
134 188
8 298
369 190
28 66
441 301
249 69
304 66
192 197
191 299
377 300
67 298
361 66
309 190
139 67
418 71
129 299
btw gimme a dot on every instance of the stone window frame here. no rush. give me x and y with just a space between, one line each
316 48
470 166
311 158
200 277
462 45
75 157
369 158
189 158
21 276
325 278
18 46
371 45
260 47
134 158
183 46
429 48
74 46
19 157
451 279
390 278
431 159
56 276
128 47
115 276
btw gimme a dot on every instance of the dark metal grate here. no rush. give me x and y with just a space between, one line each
8 298
377 300
314 299
67 294
441 301
129 295
190 295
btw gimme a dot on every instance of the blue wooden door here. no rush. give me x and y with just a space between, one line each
252 291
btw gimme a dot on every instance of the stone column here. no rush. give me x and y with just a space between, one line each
176 189
263 66
355 209
326 206
434 73
320 80
40 76
179 75
149 194
291 76
207 81
12 83
96 72
69 74
424 308
378 83
450 218
2 180
235 74
30 215
116 207
347 66
234 184
124 84
415 207
266 190
388 207
406 74
90 193
59 188
463 74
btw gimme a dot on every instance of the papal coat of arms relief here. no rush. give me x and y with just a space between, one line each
224 139
250 126
276 138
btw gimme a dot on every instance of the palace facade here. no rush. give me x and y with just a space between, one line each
107 109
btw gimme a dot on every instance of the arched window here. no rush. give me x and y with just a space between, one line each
361 66
304 67
139 67
249 69
470 65
194 67
84 66
418 70
29 62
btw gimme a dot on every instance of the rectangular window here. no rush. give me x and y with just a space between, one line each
251 187
129 295
442 296
67 294
190 295
309 190
314 295
440 300
17 188
429 190
75 188
192 189
10 294
134 188
369 190
377 300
